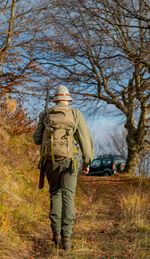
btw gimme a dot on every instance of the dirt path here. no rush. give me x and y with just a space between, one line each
100 230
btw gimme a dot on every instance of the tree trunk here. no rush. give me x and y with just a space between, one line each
133 161
133 143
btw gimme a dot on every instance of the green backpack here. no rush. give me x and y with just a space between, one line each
58 140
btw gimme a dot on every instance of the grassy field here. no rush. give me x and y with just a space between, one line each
112 213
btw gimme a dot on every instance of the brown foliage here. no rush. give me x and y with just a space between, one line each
14 119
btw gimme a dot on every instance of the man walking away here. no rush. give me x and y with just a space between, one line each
59 130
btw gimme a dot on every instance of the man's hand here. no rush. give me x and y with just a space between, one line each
85 170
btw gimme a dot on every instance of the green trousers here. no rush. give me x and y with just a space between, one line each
62 181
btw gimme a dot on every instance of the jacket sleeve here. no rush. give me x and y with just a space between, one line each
83 137
38 133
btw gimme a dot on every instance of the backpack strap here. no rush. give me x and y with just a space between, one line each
52 148
75 150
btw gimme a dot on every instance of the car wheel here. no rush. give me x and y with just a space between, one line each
107 173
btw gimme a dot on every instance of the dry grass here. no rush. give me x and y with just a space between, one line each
22 207
136 207
113 216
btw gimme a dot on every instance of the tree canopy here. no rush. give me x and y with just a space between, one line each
99 48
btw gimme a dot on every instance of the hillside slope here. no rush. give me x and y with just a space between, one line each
113 213
104 228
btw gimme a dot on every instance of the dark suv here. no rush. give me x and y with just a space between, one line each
107 165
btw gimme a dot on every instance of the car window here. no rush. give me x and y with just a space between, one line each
119 160
96 163
106 162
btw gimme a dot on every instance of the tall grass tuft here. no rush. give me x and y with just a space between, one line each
135 207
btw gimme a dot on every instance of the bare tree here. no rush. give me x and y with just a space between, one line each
102 49
21 29
115 143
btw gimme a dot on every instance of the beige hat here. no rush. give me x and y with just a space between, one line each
62 94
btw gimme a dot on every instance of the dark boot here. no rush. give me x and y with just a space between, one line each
66 243
57 239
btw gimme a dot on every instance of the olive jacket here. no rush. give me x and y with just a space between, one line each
82 135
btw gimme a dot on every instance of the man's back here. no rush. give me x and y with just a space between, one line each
81 132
